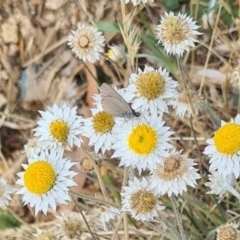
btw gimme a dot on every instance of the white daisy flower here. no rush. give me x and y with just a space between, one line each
71 226
117 54
177 33
5 191
182 105
150 90
108 215
221 186
224 149
141 200
86 42
137 2
46 180
59 126
141 143
175 174
98 129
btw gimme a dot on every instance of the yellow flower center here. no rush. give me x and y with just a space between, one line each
150 85
59 130
175 30
143 139
227 139
102 122
143 201
39 177
110 54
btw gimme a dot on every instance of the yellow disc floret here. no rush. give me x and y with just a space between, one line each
59 130
102 122
227 139
39 177
150 85
143 139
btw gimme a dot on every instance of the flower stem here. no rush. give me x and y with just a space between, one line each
125 220
178 218
96 168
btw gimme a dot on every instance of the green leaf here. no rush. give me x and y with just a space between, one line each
108 27
171 4
7 220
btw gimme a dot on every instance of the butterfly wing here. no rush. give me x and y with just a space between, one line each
113 103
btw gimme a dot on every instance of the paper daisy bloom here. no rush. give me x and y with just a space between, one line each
141 143
45 180
182 105
5 192
59 126
117 54
137 2
98 129
34 146
141 200
177 33
224 149
221 185
108 215
176 173
86 42
45 234
228 231
150 90
71 226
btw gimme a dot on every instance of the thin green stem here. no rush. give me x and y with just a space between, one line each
178 218
85 65
93 199
96 168
84 219
125 219
189 98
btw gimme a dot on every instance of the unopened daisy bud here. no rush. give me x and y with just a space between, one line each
137 2
44 235
59 126
117 54
221 186
141 200
182 106
224 149
85 165
175 174
72 226
45 180
86 42
228 232
5 191
177 33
